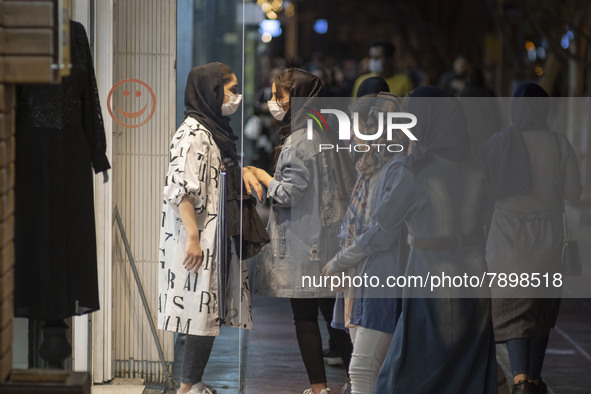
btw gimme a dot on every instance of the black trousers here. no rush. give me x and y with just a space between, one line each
305 315
197 351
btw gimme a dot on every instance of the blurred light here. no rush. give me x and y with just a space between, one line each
544 44
564 43
321 26
266 7
260 2
289 9
530 46
266 37
271 15
567 38
272 27
541 53
531 55
277 5
539 71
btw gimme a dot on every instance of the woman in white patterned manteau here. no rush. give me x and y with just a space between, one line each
201 149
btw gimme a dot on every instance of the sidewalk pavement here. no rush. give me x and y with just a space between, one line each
273 361
270 362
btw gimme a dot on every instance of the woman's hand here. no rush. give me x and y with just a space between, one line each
327 270
261 175
193 254
252 169
251 182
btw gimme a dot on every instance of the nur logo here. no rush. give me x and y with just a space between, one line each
317 117
391 123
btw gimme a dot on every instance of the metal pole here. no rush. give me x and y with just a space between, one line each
143 297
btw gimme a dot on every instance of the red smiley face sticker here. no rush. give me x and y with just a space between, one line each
136 103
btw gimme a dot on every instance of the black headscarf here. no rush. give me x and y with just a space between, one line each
441 129
530 113
504 154
204 96
373 85
303 84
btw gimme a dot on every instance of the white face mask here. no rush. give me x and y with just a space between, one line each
276 110
232 105
376 65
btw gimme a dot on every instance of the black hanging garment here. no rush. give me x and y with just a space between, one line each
59 136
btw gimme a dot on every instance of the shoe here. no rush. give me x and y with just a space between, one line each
539 388
208 390
334 362
523 387
310 391
346 388
332 357
202 389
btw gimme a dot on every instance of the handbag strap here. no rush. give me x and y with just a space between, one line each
560 153
562 167
565 236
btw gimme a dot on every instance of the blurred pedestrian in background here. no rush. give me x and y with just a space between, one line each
532 171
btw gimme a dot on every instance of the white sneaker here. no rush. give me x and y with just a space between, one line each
200 389
346 388
310 391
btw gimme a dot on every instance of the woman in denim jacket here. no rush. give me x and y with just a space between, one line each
307 207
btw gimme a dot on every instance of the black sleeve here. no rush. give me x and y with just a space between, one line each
92 118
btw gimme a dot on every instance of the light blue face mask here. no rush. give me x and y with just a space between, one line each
376 65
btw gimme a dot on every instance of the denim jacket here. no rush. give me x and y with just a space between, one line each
304 222
376 308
